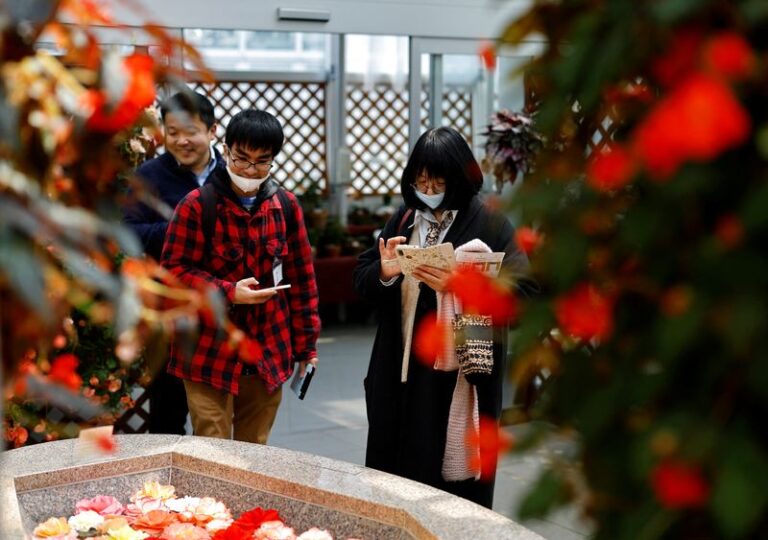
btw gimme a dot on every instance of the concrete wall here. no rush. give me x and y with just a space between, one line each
469 19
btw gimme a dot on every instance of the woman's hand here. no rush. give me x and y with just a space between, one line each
247 292
389 265
434 278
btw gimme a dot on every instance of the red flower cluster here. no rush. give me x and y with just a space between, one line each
491 441
698 120
429 340
64 371
610 169
488 55
481 294
585 313
139 94
16 435
246 524
678 485
527 239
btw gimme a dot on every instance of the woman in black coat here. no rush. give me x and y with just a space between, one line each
407 401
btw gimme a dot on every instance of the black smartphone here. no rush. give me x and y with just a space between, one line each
299 384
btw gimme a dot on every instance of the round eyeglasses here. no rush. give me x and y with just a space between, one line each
422 184
244 164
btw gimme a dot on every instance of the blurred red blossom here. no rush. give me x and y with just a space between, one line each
527 239
611 168
680 58
429 339
698 120
139 93
16 435
106 444
487 54
585 313
729 231
491 441
679 485
64 371
730 55
246 524
481 294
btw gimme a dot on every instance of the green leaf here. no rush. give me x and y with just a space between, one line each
22 269
671 11
754 11
547 493
739 497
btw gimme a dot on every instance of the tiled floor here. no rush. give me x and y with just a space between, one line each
331 422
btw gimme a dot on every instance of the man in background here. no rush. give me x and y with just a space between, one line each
189 129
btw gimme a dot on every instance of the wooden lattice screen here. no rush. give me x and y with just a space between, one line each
300 107
377 132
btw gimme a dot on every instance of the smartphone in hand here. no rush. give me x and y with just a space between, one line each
300 384
275 288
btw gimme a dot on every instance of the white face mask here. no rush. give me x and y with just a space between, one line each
246 185
433 201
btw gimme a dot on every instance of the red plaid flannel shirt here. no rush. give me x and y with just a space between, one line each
245 245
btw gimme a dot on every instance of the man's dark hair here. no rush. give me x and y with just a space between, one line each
443 153
255 130
192 103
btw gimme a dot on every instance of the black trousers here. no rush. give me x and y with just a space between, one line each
167 404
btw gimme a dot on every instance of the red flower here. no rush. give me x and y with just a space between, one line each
585 313
680 59
483 295
728 54
678 485
139 93
429 340
488 55
106 444
63 371
628 92
248 522
527 239
698 120
491 442
17 435
610 169
729 231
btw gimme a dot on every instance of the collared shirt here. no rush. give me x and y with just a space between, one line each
203 176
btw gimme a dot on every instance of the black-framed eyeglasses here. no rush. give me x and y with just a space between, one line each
422 184
244 164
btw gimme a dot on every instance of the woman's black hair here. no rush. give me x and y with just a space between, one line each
443 153
255 130
191 103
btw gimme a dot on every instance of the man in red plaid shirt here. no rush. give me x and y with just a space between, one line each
257 242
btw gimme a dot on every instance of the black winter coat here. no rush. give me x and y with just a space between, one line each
164 178
408 421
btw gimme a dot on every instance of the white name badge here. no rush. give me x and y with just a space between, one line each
277 272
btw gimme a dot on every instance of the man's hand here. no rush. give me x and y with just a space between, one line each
303 365
435 278
247 292
389 265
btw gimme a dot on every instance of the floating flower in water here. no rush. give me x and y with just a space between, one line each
83 522
184 518
154 490
52 528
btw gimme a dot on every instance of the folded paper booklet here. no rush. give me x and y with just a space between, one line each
488 263
439 256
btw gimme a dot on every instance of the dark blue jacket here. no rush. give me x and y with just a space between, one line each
164 178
